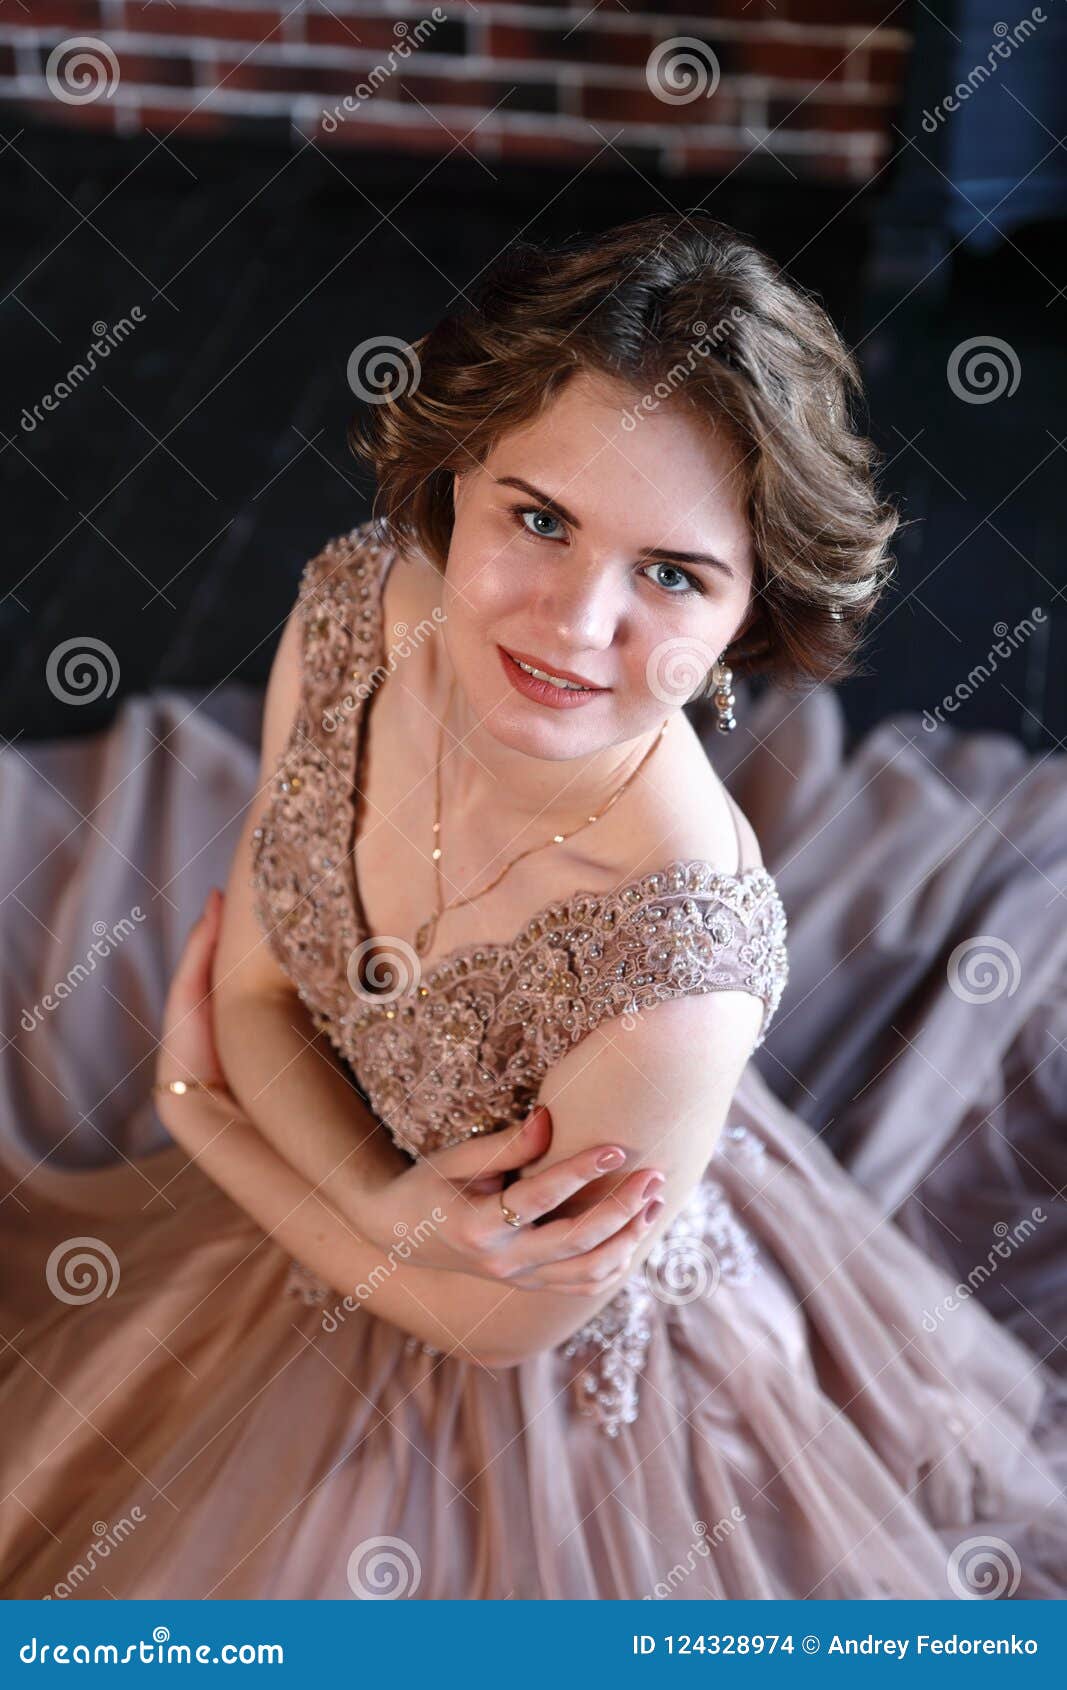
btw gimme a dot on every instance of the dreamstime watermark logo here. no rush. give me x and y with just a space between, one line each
680 669
983 968
82 1269
984 1569
159 1650
1009 1240
383 369
982 369
81 670
708 343
100 348
80 69
1008 640
679 1270
1003 48
407 40
106 1538
392 968
681 70
699 1550
407 641
407 1242
107 939
381 1569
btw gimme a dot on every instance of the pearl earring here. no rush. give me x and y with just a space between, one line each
722 676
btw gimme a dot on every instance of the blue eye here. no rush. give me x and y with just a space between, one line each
523 511
689 583
692 584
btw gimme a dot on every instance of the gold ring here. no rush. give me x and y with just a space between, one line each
509 1215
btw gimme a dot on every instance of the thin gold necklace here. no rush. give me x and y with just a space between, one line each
425 935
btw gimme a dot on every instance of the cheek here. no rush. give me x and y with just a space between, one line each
486 595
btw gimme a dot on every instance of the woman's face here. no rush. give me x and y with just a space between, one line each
553 570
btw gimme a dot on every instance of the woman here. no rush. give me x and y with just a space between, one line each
387 1328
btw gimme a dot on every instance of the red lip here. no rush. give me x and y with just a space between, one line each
554 669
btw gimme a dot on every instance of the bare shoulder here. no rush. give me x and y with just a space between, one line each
710 819
410 597
681 811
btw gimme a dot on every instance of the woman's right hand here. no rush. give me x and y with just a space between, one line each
446 1211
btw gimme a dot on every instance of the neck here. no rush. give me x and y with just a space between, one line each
539 797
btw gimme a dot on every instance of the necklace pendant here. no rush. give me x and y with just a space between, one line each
424 936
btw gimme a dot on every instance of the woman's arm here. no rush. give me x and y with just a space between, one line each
208 1122
666 1102
282 1071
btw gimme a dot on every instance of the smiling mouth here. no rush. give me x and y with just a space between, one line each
565 683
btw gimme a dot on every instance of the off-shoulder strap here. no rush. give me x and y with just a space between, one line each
684 930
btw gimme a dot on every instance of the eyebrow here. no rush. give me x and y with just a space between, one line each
648 552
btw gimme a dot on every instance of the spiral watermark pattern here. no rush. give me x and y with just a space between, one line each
382 1569
683 1271
80 69
679 668
984 1569
983 968
82 1269
681 70
392 969
982 369
383 369
81 670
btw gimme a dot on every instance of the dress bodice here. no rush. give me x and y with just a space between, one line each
461 1046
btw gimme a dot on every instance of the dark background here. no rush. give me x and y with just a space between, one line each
166 507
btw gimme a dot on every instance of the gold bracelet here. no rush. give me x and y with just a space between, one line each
180 1087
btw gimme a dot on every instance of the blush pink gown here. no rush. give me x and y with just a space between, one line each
797 1397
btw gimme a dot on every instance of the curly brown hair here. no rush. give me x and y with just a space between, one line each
767 364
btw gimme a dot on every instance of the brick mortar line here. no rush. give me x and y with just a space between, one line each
402 117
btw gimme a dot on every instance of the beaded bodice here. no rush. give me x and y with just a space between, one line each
461 1045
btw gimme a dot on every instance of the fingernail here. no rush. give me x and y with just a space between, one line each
653 1185
613 1158
653 1209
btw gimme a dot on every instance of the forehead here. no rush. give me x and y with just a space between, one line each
607 455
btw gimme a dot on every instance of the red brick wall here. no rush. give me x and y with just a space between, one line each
801 86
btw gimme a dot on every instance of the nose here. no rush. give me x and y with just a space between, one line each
584 610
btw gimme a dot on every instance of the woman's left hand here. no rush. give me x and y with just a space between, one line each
187 1048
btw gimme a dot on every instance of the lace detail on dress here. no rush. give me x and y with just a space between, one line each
705 1246
463 1047
303 893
